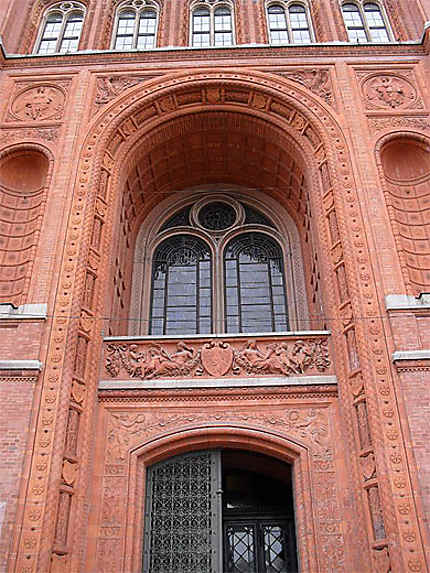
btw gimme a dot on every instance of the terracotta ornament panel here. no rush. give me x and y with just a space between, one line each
44 102
217 358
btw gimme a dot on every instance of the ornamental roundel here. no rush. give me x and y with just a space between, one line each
39 103
389 92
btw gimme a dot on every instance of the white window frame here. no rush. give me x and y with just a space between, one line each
367 29
65 9
138 7
212 7
286 6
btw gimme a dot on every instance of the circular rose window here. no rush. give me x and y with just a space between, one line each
217 216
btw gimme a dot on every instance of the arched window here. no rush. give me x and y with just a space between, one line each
365 22
241 288
136 26
181 300
254 285
289 24
61 29
211 25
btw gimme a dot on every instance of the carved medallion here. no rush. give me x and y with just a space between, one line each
217 358
39 103
389 92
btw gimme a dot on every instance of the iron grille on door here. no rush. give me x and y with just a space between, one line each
183 515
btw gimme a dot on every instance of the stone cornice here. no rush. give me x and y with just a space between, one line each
412 360
306 393
218 55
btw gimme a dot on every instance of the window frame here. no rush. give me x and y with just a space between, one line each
361 7
212 8
66 10
129 6
279 227
286 5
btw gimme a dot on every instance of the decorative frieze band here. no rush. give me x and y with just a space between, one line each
150 359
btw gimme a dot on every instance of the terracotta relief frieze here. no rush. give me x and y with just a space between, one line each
393 90
109 87
217 358
41 102
317 80
128 429
379 124
44 134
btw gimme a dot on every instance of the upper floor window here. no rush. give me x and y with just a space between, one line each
136 26
365 22
61 28
289 24
211 25
231 278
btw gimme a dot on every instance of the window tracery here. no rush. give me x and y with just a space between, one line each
217 254
289 22
211 24
61 28
136 25
365 22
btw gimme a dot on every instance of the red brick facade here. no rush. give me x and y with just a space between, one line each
98 148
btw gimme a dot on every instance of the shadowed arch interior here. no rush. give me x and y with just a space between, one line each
211 148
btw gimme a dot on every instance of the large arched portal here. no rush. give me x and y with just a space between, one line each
278 144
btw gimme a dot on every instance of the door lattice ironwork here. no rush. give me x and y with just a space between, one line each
183 515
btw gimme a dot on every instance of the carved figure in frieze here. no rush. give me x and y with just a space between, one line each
160 363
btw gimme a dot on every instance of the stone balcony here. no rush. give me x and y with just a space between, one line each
275 359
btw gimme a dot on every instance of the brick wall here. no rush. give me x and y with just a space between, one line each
16 397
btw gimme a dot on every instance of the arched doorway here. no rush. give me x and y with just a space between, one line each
219 510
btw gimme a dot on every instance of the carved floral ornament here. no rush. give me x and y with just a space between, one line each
217 359
38 103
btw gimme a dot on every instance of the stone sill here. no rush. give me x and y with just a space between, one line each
216 383
402 355
13 365
208 337
37 311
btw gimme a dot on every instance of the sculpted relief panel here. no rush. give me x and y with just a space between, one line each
217 358
36 103
393 91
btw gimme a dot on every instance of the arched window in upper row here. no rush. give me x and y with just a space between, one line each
136 24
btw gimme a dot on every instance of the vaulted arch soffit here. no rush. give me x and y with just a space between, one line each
256 106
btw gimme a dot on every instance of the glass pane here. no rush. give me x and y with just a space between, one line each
254 285
201 40
222 20
275 550
240 549
181 286
148 22
201 21
358 36
223 39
